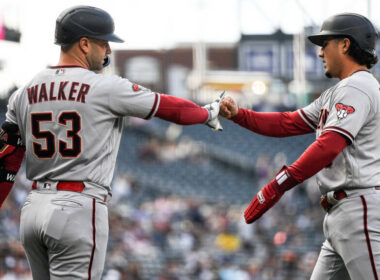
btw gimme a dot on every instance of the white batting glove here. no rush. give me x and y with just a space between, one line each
213 113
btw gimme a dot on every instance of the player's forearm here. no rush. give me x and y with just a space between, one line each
318 155
180 111
272 124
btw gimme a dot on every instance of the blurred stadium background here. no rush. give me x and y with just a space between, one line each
179 192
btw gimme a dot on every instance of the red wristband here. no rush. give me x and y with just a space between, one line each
268 196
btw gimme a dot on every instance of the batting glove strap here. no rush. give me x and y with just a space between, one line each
268 196
7 176
285 180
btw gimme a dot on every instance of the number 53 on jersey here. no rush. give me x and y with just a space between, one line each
70 147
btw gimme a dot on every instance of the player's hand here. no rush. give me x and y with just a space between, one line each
228 108
268 196
213 112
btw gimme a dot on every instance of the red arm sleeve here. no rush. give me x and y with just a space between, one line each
272 124
180 111
318 155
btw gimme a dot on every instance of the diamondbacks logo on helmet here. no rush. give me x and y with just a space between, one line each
343 110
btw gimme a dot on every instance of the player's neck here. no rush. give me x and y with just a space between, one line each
351 68
70 59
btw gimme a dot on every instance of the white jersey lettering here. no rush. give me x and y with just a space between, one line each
11 177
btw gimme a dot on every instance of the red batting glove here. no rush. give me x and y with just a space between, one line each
11 156
269 195
6 150
9 166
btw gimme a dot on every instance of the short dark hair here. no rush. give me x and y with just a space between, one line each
66 48
361 56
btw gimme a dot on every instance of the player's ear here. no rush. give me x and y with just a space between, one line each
345 45
84 45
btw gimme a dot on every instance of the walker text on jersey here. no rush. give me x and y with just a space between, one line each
74 91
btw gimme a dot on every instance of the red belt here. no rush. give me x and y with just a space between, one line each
65 186
326 203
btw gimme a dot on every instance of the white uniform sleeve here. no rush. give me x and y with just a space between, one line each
310 113
350 110
128 99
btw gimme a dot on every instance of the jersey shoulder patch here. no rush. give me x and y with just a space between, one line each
343 110
136 87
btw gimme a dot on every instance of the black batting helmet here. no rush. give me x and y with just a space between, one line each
354 26
84 21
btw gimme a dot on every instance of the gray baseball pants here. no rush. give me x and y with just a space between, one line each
351 250
64 234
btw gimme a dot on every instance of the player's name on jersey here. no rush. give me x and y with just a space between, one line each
62 91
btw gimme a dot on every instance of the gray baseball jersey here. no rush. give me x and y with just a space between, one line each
352 108
70 119
71 127
352 245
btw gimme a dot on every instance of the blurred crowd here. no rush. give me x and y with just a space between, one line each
184 238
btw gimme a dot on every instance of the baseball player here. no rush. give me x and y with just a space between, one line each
70 119
345 155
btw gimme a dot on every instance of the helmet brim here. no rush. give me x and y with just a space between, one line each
109 37
318 39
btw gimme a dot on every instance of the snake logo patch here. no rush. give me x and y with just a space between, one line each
343 110
136 87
